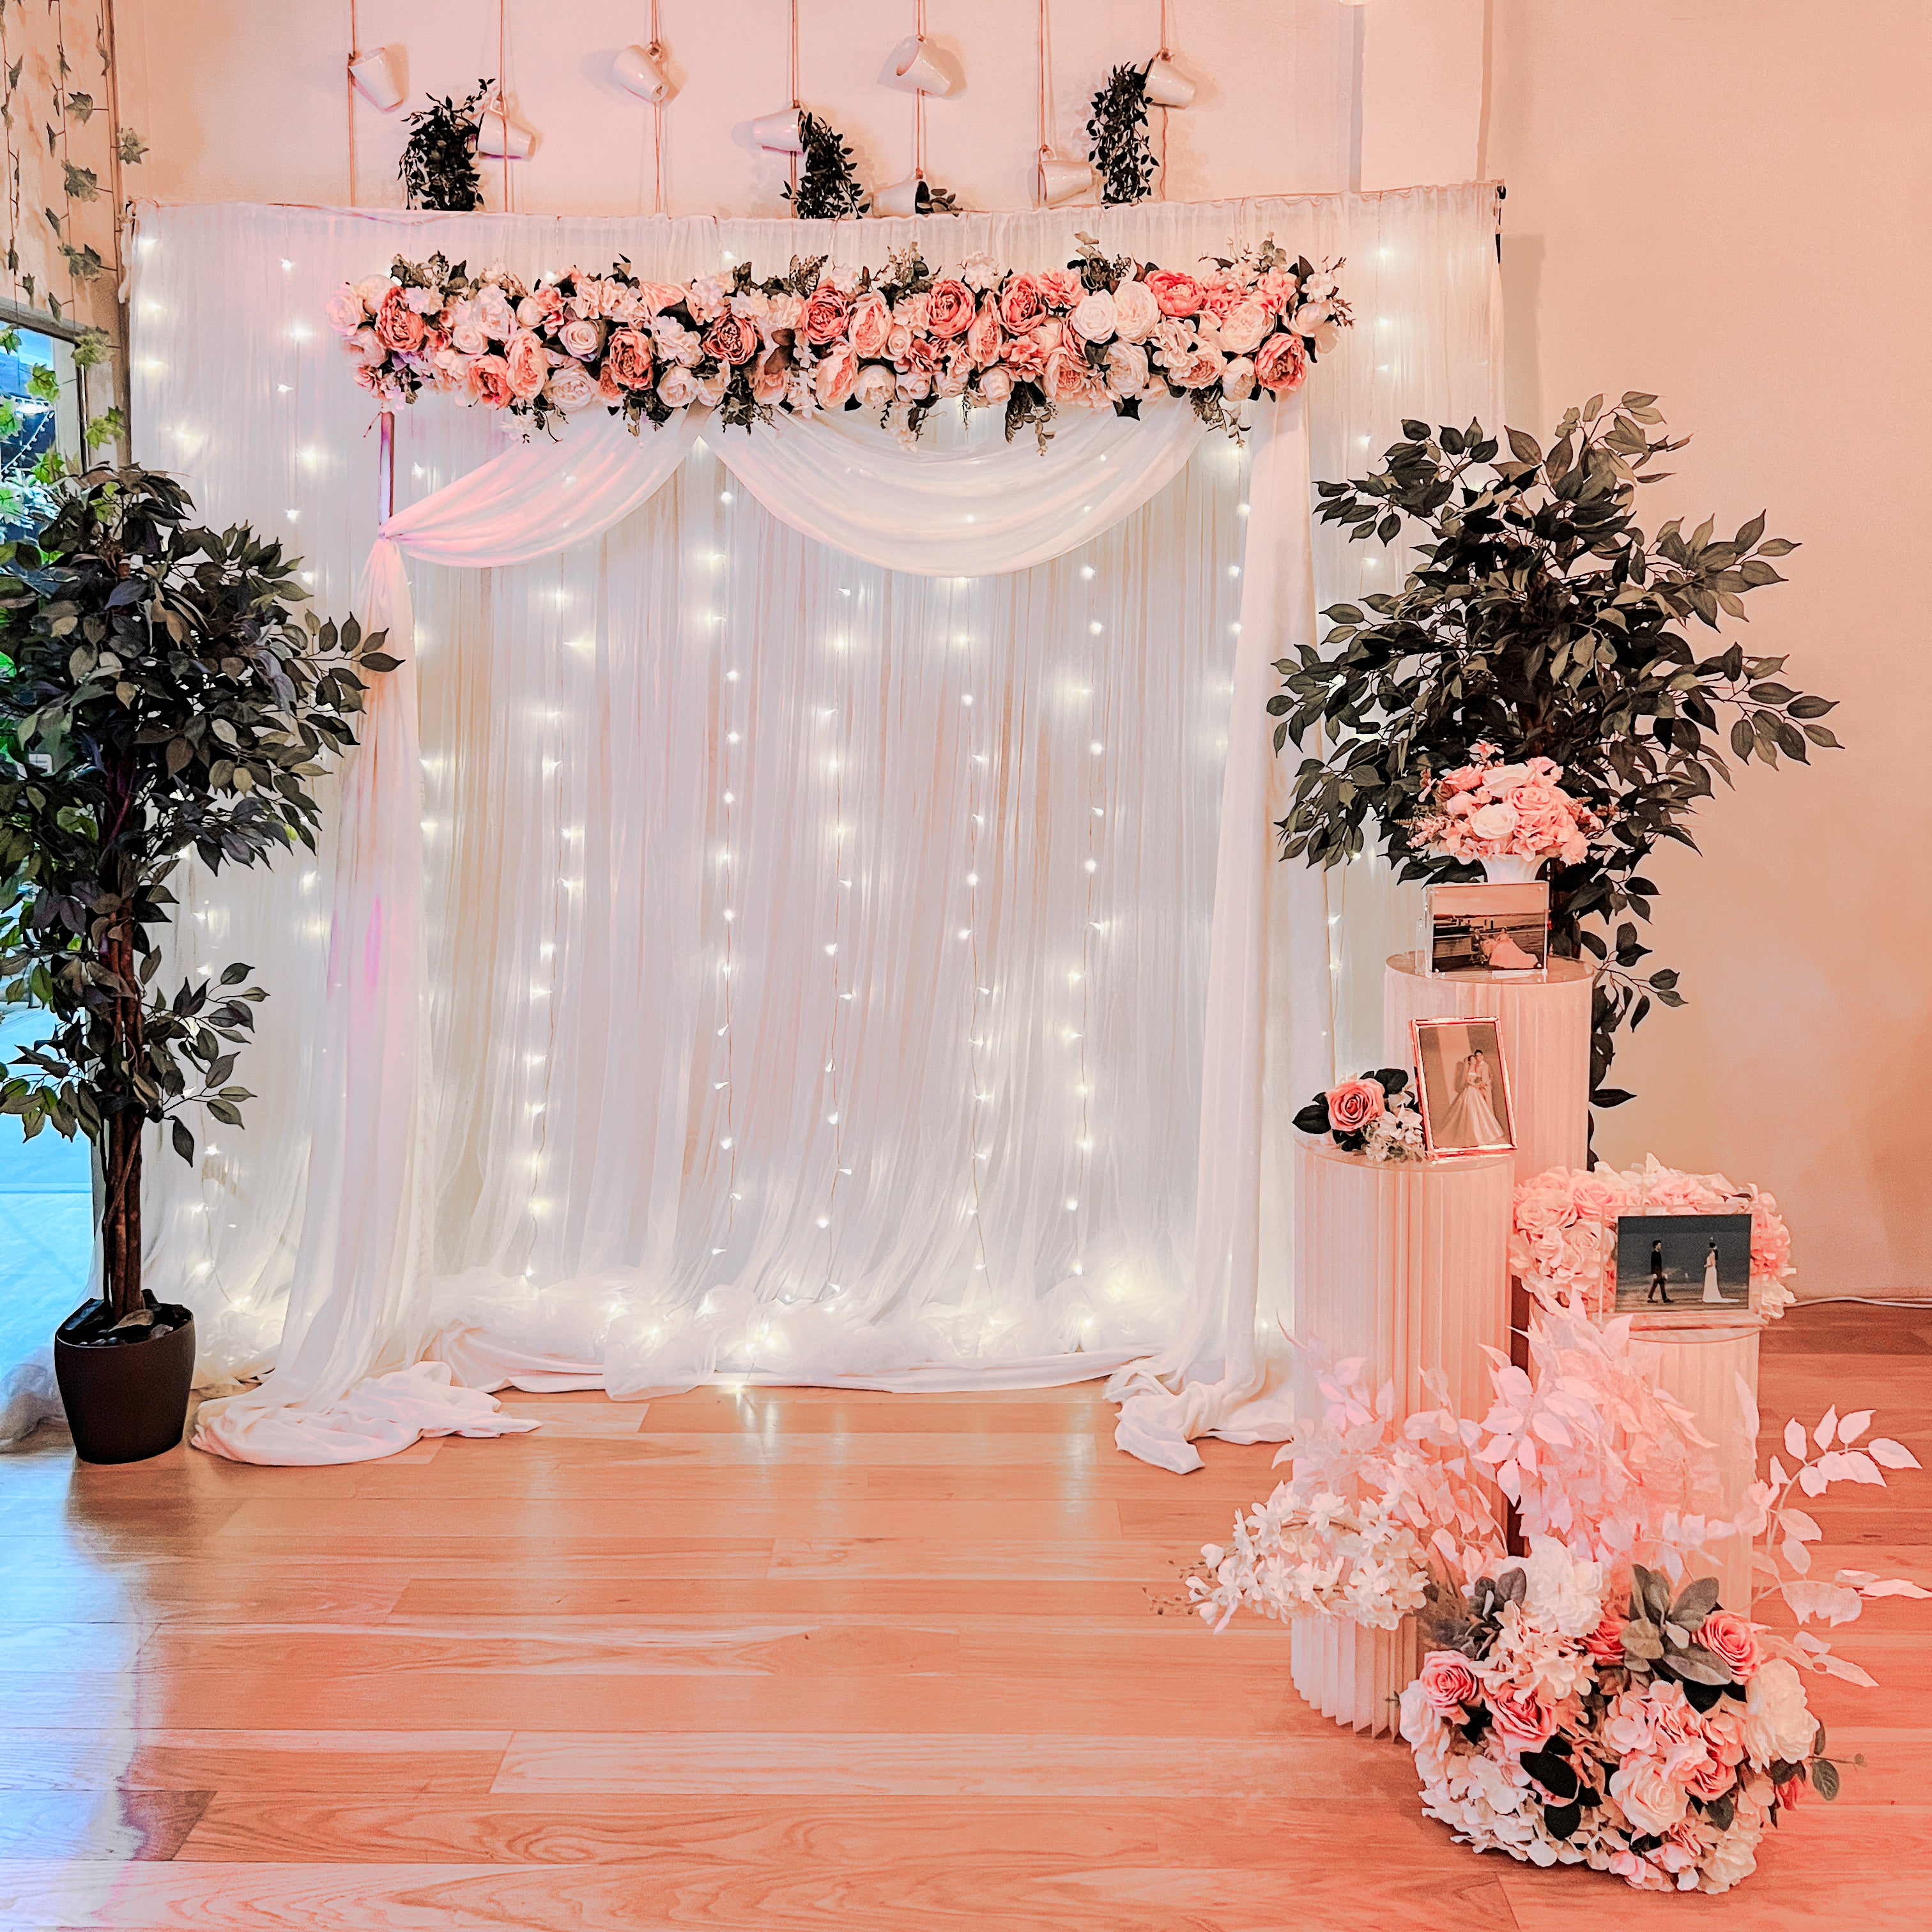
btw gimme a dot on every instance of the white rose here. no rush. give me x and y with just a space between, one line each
1094 317
571 386
1652 1799
712 385
1244 325
1309 317
1777 1723
996 384
345 311
1237 379
1326 335
1127 368
1494 821
372 290
468 336
1563 1594
1135 312
530 313
580 338
677 387
781 314
915 386
1733 1857
875 387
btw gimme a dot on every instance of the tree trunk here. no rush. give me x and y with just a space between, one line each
121 1214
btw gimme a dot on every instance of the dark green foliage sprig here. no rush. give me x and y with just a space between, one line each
1541 619
1118 132
438 170
828 187
159 694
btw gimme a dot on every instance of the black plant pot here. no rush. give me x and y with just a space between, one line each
126 1400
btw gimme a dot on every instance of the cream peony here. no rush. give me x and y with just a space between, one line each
1243 327
1777 1723
1563 1593
677 387
571 386
1135 312
1237 379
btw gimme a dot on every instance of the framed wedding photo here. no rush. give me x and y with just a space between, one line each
1462 1087
1691 1264
1483 929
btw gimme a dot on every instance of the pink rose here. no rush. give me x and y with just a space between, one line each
580 338
494 313
1605 1643
1354 1104
1021 308
917 355
1051 334
732 339
1712 1779
898 341
1174 293
955 374
872 323
1220 294
949 310
982 339
655 297
1731 1640
1136 311
914 385
1282 363
528 362
1447 1682
1596 1198
1522 1718
628 361
488 379
836 376
826 315
397 325
1277 287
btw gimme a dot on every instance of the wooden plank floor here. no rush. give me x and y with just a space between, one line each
793 1658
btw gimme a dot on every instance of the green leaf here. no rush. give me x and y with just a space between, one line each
1825 1777
183 1141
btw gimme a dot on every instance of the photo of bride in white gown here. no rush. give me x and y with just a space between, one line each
1466 1100
1683 1262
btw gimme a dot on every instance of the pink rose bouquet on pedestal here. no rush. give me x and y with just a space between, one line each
1375 1115
1490 809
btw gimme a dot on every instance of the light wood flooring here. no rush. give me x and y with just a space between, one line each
796 1659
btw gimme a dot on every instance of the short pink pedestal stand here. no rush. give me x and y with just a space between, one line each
1700 1367
1545 1025
1405 1265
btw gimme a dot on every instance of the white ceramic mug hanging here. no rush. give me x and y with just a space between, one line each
780 133
919 67
1062 180
640 70
901 198
499 138
1167 86
378 77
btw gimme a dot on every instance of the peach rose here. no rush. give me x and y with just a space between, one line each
872 323
982 339
678 387
487 379
1174 293
609 389
949 310
1025 358
732 339
528 362
580 338
629 362
1650 1797
1237 379
1021 308
1136 311
825 316
1522 1717
1282 363
1094 318
1731 1640
1354 1104
898 341
1220 294
1061 287
655 297
397 325
996 384
836 375
876 385
1605 1643
1447 1682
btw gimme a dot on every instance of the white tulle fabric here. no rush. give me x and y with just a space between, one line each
874 1150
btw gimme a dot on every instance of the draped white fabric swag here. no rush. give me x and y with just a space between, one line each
818 947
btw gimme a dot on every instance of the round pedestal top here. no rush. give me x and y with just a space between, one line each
1325 1149
1557 973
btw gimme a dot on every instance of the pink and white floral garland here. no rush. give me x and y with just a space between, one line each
1563 1233
1104 332
1489 809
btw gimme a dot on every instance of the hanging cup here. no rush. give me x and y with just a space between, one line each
1167 86
500 139
780 133
904 197
378 77
640 70
920 67
1063 180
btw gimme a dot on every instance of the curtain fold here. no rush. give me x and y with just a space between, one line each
635 1168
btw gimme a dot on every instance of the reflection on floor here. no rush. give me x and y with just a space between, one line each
788 1658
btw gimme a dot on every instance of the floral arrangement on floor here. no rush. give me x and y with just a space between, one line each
1594 1703
1106 332
1375 1115
1489 809
1563 1232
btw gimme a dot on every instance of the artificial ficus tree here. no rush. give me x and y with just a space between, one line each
159 695
1539 618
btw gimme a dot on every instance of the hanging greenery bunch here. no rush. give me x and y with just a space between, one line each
829 188
438 170
1540 621
1119 133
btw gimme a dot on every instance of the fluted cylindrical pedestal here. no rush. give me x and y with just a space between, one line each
1700 1367
1544 1022
1405 1265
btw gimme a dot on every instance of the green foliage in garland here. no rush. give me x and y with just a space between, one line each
438 168
1119 134
828 189
1539 618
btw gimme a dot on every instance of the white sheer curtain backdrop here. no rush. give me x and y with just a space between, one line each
618 1185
